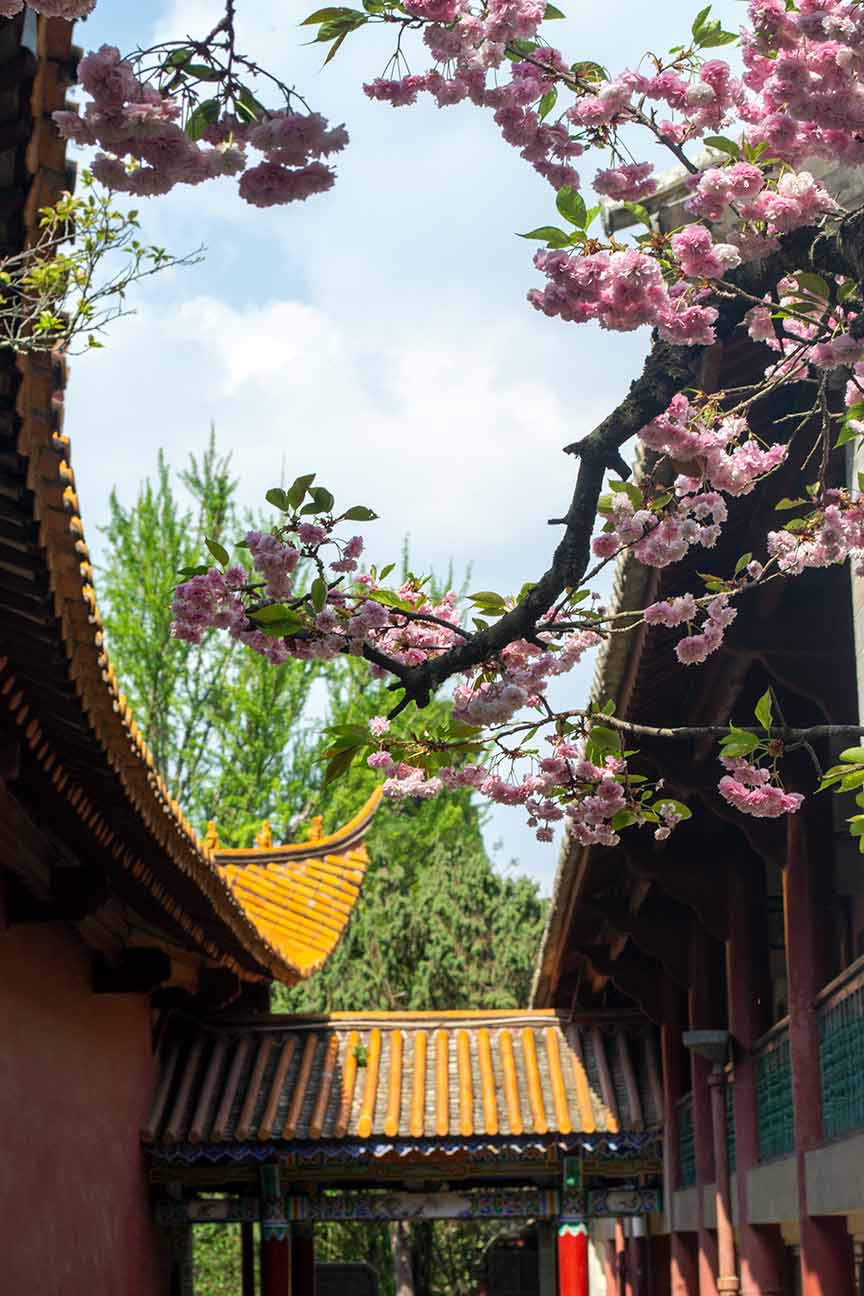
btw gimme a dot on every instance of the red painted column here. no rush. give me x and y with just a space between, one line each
682 1269
275 1265
610 1269
636 1267
247 1259
684 1264
760 1247
572 1258
704 1016
659 1263
827 1260
303 1260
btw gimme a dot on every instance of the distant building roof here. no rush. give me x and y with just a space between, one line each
431 1081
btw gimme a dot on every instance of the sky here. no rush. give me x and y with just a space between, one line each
378 334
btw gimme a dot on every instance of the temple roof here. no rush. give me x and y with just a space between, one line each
75 763
401 1081
301 896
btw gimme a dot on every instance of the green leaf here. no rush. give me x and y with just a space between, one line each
330 14
486 596
340 764
204 115
588 71
200 570
852 756
298 489
385 571
680 809
551 12
359 513
571 205
797 524
548 102
322 499
202 71
738 742
556 238
278 498
623 819
246 106
764 710
742 563
640 211
716 36
219 552
699 21
389 599
318 593
278 615
723 145
812 283
783 505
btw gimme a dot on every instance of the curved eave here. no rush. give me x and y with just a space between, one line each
337 843
93 756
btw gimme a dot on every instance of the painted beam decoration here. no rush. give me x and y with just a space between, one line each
502 1203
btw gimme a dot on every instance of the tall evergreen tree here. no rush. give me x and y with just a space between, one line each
436 926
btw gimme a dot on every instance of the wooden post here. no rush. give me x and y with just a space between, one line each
247 1258
684 1264
727 1273
703 1015
621 1259
572 1258
682 1254
827 1259
610 1268
636 1267
303 1259
760 1247
547 1276
275 1263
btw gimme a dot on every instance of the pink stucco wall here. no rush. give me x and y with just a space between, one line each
76 1077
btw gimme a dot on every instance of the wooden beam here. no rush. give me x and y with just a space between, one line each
138 971
688 879
632 973
662 940
75 893
500 1202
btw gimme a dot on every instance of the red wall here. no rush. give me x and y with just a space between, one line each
76 1079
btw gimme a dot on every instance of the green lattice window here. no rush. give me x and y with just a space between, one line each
841 1057
730 1126
774 1101
686 1145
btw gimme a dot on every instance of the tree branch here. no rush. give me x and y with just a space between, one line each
668 370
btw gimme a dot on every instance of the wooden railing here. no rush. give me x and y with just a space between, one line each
840 1007
774 1093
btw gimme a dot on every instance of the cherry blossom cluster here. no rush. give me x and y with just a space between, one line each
621 290
827 536
68 9
147 151
524 670
749 789
718 616
717 449
594 799
803 69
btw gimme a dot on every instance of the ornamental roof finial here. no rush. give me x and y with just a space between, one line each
264 836
211 837
316 828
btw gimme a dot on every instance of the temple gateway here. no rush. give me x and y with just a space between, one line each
680 1111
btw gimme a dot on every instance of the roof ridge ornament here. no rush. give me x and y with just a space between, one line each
264 836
